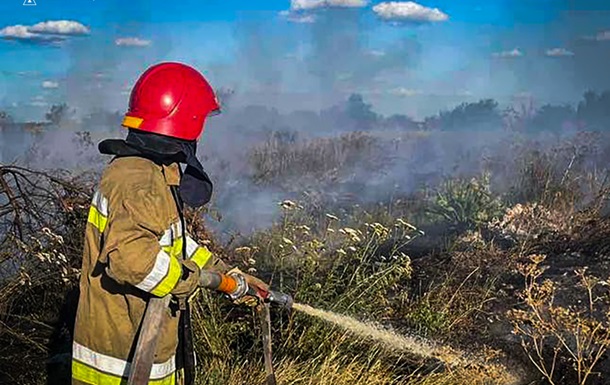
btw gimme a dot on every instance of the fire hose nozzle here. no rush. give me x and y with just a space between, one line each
235 285
280 299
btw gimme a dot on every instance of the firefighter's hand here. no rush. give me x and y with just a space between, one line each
255 294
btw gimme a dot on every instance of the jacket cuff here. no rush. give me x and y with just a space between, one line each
200 255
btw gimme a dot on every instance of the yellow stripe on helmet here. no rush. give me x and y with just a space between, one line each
132 122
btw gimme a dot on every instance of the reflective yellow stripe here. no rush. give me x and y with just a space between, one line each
88 375
198 254
98 212
176 248
201 256
96 218
168 283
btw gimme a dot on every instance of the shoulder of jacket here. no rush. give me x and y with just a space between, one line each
128 175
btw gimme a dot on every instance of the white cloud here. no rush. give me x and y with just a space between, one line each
508 54
603 36
49 84
47 32
398 11
299 5
28 73
405 92
558 52
60 27
38 103
306 4
132 42
409 92
300 10
16 31
464 94
22 33
298 18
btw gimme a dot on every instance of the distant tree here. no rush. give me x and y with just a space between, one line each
258 118
12 138
400 121
102 119
285 136
517 117
334 118
594 110
360 113
550 117
59 113
305 121
5 119
483 114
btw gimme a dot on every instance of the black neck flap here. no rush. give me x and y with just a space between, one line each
195 185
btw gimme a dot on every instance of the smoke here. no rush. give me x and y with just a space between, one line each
297 78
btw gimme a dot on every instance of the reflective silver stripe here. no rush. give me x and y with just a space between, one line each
100 203
191 247
116 366
174 232
163 370
166 239
158 272
110 365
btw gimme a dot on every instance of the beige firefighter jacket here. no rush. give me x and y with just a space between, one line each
133 250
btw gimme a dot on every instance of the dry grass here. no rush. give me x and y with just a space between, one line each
280 160
355 262
565 338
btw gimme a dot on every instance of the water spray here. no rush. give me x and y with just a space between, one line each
235 286
394 342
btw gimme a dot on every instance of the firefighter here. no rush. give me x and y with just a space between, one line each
136 244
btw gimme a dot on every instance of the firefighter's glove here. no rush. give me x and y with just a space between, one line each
188 284
251 290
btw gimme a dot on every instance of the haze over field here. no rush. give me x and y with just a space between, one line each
404 57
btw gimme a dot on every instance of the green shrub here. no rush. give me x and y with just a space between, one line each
466 203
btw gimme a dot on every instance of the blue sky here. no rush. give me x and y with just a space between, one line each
414 59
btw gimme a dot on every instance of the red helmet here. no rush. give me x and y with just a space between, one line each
171 99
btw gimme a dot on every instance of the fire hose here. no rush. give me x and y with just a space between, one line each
233 285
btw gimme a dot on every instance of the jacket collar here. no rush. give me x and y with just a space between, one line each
172 174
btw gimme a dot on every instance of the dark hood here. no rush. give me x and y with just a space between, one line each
195 184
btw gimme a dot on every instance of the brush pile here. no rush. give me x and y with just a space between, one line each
42 219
